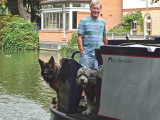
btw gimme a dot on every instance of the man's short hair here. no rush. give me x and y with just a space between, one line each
95 2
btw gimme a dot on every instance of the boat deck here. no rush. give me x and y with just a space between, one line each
72 116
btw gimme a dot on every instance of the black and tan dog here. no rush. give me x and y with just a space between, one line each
86 77
50 72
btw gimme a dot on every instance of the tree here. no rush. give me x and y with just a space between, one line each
2 7
2 2
13 8
129 18
27 9
154 1
22 11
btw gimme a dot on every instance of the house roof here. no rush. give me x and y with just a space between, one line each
63 1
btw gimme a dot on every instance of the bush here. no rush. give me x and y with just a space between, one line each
129 18
18 34
73 40
6 19
118 31
71 47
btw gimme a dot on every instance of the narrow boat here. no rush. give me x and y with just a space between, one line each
128 88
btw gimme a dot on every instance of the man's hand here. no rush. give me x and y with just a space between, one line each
105 40
79 42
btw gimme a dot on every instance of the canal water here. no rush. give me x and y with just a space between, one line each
24 95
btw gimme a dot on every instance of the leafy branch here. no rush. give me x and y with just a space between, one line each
130 18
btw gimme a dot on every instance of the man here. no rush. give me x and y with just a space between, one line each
91 33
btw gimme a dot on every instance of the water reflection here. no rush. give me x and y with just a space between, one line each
23 93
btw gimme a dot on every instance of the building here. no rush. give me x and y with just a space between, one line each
60 18
150 12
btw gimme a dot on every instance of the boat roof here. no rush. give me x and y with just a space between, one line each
64 1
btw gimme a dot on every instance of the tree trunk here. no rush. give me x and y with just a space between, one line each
22 11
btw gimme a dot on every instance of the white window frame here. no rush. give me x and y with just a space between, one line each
69 10
134 28
146 29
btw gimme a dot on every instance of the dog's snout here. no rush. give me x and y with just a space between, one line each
45 72
82 79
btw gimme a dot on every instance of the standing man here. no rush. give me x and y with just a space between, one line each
91 33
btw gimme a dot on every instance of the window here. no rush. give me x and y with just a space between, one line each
52 6
57 5
134 28
67 4
47 6
52 21
74 20
76 5
66 21
149 25
84 5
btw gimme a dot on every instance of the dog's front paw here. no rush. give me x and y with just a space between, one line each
55 106
87 112
54 100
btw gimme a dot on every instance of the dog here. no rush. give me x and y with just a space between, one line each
86 78
50 72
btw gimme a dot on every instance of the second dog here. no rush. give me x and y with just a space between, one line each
86 77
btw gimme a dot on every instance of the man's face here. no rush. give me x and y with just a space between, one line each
95 11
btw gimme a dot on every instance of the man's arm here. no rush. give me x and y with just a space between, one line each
105 40
79 42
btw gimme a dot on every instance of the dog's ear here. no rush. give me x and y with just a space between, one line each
92 77
51 61
41 62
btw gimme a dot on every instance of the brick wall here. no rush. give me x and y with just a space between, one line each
55 35
155 22
111 12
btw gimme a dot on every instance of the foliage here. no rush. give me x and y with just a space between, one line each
129 18
32 7
127 21
19 34
2 9
73 40
13 8
118 31
6 19
2 2
67 50
154 1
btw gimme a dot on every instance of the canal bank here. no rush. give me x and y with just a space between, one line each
54 46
